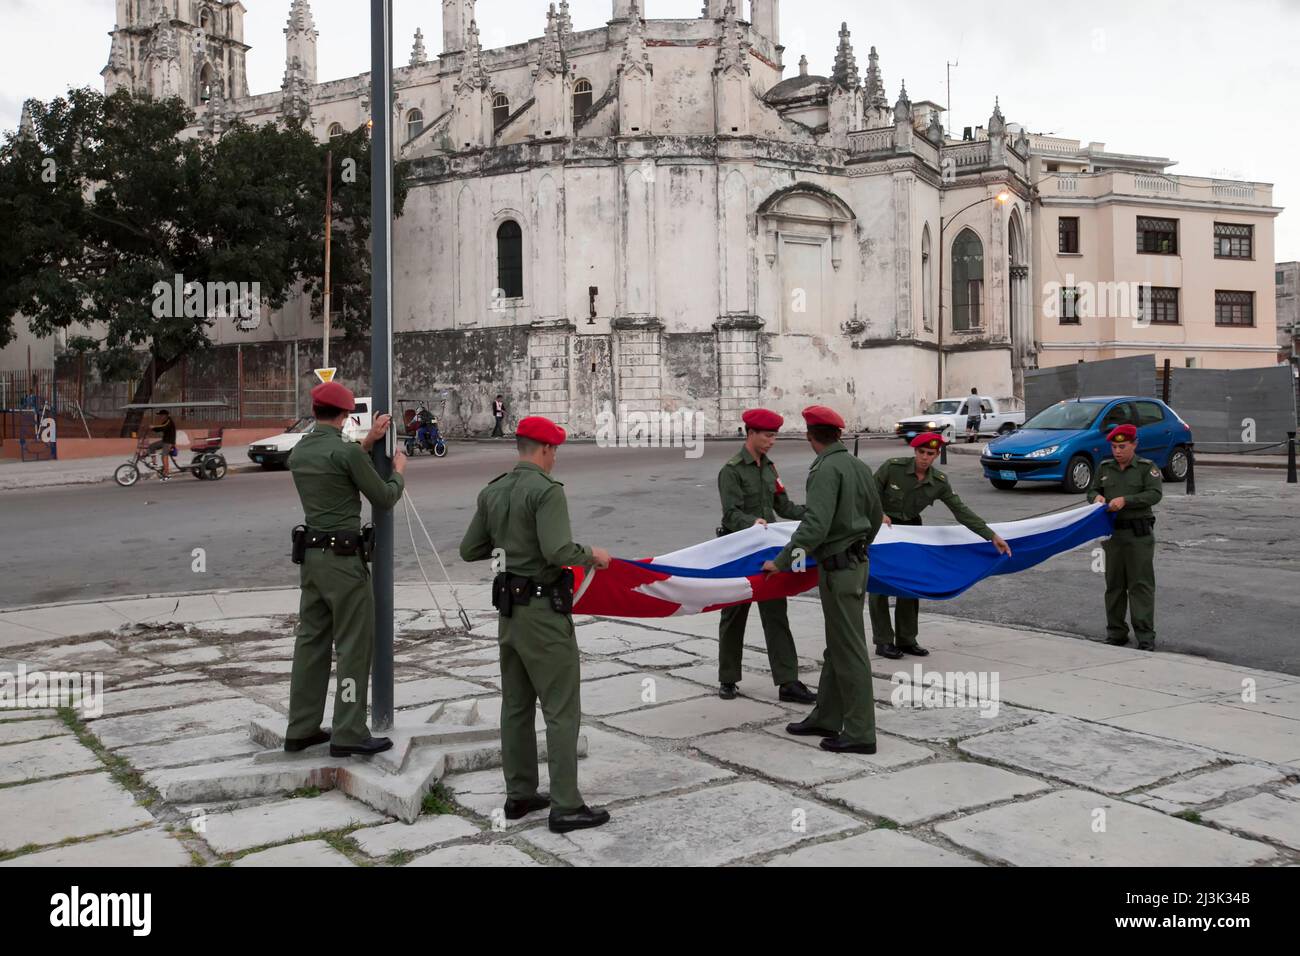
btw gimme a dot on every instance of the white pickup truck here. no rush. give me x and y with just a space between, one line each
947 416
273 451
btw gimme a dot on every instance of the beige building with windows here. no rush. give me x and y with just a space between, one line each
1133 260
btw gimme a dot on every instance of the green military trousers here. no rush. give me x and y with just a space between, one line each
1130 586
905 628
844 699
337 611
539 659
781 655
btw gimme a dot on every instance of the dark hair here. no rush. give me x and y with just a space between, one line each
824 434
163 411
326 412
527 446
974 391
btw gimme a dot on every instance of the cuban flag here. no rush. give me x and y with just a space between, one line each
930 563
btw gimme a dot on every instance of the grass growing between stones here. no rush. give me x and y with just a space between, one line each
123 774
1191 816
305 793
399 858
438 801
884 823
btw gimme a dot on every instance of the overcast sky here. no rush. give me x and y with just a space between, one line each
1211 85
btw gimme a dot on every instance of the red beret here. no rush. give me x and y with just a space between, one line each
541 429
760 419
928 440
333 395
1122 433
821 415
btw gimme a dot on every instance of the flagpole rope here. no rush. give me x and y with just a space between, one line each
411 509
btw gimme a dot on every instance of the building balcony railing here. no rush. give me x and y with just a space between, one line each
1155 186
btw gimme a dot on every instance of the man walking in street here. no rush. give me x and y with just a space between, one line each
498 416
908 485
522 523
337 609
752 494
840 520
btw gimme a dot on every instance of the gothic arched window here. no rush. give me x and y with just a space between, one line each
205 83
510 260
336 130
205 20
967 281
581 98
926 291
414 124
500 110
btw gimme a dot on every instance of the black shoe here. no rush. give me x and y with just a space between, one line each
1146 647
582 818
805 729
1117 641
293 746
367 748
841 746
796 692
888 650
517 809
916 650
727 691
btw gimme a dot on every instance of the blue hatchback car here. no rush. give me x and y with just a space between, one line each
1066 442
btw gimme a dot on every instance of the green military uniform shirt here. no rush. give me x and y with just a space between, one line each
1139 485
843 507
750 492
904 496
329 471
524 512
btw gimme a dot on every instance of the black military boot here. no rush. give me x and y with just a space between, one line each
889 650
841 746
916 650
805 729
367 748
518 809
582 818
727 691
796 692
293 746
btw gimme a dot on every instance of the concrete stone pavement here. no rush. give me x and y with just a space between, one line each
1025 748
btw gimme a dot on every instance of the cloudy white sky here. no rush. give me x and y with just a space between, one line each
1212 85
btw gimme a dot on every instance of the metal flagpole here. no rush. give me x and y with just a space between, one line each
381 343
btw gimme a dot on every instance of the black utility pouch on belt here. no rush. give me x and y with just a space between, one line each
299 544
1141 527
367 542
562 593
502 597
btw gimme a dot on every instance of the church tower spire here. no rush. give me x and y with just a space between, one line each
845 73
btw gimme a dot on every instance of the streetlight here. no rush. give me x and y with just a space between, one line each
1002 198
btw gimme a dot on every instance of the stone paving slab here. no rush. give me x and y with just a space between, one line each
708 827
1085 754
682 625
188 657
753 685
236 604
191 750
426 832
23 714
70 620
1283 701
1180 677
16 731
1050 653
943 659
118 702
13 634
785 760
310 853
1057 829
69 808
873 848
1216 784
83 650
1262 815
1233 730
1083 697
476 854
616 769
237 670
189 721
149 847
235 830
612 695
1292 792
659 657
948 723
691 718
890 751
52 757
617 637
930 790
410 693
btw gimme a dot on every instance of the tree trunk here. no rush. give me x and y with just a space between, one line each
155 370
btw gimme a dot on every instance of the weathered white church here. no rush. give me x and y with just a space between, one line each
652 213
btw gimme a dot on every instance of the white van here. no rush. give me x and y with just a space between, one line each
273 452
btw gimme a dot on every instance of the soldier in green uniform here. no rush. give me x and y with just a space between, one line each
841 518
522 523
752 494
337 607
1129 486
908 485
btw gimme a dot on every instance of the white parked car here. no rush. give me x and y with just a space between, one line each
947 416
273 452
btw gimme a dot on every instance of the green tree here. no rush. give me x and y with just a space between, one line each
111 204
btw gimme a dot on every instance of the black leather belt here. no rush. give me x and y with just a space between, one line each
855 553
